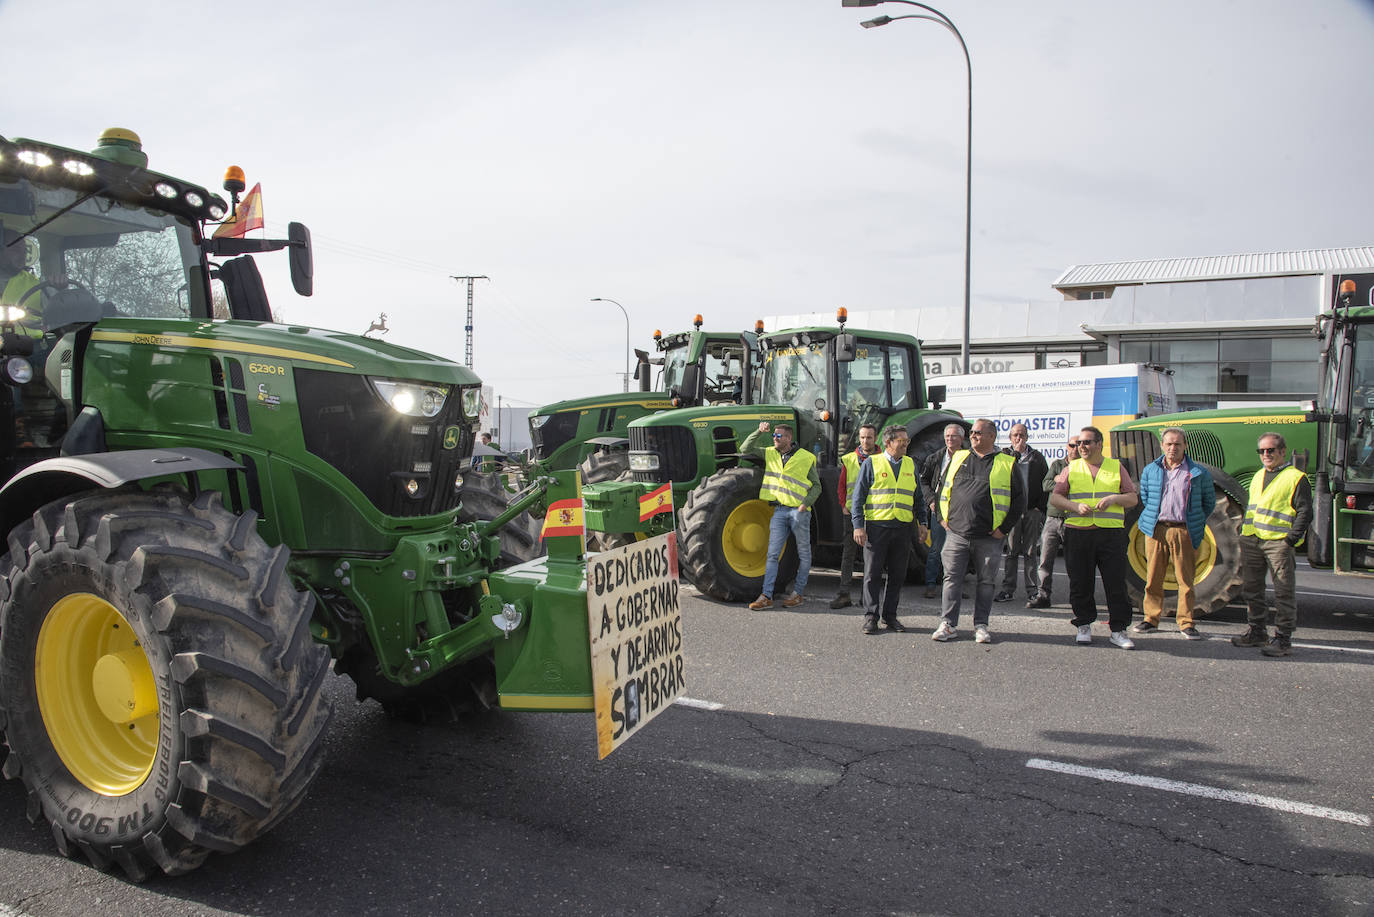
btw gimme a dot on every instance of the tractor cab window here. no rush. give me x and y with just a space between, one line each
724 379
101 257
674 360
1360 450
795 376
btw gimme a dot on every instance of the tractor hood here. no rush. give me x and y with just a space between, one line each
653 401
302 346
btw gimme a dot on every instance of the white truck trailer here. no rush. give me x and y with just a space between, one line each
1054 402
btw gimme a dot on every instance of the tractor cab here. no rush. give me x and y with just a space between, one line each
837 382
1342 531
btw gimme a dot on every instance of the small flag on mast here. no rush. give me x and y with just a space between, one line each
248 216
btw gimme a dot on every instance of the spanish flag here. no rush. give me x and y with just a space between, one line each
563 518
659 501
247 216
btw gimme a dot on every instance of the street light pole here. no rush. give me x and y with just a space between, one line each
942 19
627 336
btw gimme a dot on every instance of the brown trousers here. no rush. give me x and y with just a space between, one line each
1170 546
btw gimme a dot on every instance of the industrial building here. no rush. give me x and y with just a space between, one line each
1234 329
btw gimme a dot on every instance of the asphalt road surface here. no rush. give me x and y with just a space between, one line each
840 774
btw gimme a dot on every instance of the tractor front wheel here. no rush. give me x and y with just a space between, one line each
722 534
161 691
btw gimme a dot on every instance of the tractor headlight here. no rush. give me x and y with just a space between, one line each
472 402
18 371
412 398
643 461
538 420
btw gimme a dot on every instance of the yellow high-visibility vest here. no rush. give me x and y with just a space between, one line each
852 465
786 484
891 496
1270 514
1084 488
999 484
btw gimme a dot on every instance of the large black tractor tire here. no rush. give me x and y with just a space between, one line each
604 466
485 497
161 690
722 535
1218 577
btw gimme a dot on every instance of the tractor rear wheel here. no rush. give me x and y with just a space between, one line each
162 693
1218 576
485 497
722 535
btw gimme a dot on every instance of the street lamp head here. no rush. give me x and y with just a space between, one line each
874 23
860 2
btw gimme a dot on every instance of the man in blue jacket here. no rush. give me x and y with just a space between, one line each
1176 497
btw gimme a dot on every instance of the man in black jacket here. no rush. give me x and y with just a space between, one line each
1024 540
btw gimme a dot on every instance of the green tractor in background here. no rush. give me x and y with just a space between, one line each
826 382
1342 533
201 511
698 367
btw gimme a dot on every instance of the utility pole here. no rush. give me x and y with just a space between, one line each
467 353
498 418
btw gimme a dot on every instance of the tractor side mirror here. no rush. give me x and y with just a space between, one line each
846 348
302 259
935 394
691 374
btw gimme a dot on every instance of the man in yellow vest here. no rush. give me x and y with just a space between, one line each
15 279
849 476
1096 491
1276 520
791 485
981 500
882 509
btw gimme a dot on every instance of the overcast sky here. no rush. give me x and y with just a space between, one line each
735 159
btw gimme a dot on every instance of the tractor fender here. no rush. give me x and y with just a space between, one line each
917 422
51 479
1228 485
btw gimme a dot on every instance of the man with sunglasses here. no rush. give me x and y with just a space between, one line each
980 502
791 486
1096 491
1276 520
1052 535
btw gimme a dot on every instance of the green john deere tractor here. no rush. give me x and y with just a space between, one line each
698 367
1342 533
826 382
202 509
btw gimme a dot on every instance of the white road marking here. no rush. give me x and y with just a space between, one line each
1329 595
698 704
1337 649
1197 789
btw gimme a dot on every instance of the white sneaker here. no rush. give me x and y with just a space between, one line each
1120 639
944 633
981 635
1085 634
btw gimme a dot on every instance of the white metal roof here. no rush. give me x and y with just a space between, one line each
1219 267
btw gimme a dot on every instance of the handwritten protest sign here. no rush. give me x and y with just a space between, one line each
636 631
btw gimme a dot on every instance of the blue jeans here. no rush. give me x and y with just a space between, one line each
797 521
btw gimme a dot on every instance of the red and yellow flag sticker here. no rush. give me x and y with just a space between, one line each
563 518
659 501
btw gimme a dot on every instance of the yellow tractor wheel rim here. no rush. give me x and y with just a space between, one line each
1140 561
97 694
744 537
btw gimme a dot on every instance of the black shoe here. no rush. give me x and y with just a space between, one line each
1040 601
1281 645
1004 596
1143 627
870 626
930 592
1191 633
895 625
840 601
1254 636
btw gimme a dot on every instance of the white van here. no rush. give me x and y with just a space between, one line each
1055 402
